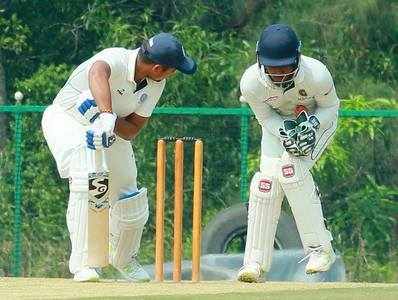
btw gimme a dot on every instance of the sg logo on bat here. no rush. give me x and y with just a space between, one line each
98 184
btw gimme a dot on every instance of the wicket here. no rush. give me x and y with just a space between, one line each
178 206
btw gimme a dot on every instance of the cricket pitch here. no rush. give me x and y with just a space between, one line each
52 288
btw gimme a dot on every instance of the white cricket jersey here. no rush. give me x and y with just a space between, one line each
313 88
126 97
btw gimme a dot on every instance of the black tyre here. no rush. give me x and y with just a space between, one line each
226 232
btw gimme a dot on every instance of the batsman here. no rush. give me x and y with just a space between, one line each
294 100
103 106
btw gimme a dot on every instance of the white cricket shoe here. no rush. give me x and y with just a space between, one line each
134 272
86 275
320 259
250 273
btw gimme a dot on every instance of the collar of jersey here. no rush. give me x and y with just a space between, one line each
131 65
131 69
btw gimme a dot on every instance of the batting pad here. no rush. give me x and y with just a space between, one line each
76 216
303 196
128 217
264 209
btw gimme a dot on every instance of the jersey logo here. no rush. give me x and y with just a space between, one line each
302 93
142 98
121 91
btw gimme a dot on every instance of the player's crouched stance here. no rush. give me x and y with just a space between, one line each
295 102
104 104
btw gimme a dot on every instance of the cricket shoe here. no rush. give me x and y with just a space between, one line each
134 272
86 275
250 273
320 259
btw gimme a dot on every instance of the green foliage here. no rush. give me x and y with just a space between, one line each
356 39
44 84
14 34
44 194
361 203
368 213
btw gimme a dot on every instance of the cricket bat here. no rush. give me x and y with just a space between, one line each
98 209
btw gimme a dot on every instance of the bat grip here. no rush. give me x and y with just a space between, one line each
96 160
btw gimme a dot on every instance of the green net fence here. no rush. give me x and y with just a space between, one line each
33 233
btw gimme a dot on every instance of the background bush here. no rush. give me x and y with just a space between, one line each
357 176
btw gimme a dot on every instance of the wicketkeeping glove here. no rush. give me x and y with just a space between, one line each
299 136
288 137
306 129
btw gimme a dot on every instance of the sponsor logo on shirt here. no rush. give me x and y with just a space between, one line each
121 91
264 185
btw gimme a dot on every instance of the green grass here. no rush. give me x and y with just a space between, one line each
325 294
51 288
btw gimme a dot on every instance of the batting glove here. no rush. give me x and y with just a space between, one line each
101 134
87 108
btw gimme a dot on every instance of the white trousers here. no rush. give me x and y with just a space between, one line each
64 136
283 175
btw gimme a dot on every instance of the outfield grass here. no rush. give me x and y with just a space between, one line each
45 288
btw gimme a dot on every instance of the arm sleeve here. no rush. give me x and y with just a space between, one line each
327 101
265 115
114 59
146 108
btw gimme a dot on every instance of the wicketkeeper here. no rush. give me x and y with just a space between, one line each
104 104
295 102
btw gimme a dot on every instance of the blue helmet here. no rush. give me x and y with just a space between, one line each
278 46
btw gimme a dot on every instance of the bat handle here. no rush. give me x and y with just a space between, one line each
90 158
103 159
96 160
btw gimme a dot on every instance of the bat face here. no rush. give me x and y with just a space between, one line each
98 185
98 210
